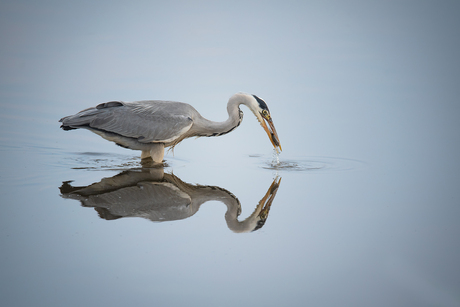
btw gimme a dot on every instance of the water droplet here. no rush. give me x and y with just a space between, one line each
275 158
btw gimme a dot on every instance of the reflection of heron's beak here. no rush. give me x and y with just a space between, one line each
271 132
267 200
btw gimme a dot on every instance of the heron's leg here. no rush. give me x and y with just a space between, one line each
145 154
157 152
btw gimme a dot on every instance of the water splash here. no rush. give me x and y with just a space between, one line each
275 158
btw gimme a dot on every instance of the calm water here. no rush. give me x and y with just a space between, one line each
360 209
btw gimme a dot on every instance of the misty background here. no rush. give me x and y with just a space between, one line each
368 88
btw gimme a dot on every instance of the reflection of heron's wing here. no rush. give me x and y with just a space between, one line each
156 201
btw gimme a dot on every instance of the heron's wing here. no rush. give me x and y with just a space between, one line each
147 121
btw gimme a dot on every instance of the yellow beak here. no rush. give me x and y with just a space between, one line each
271 131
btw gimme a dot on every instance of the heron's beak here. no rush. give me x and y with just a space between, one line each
271 131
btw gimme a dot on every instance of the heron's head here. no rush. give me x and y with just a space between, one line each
262 113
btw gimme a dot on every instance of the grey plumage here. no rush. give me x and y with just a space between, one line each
134 119
152 125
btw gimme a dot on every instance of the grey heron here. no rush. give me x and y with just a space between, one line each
152 125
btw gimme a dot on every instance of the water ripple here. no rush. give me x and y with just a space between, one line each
312 164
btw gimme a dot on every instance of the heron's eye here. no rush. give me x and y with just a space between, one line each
265 112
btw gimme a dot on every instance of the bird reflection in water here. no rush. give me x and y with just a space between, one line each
152 194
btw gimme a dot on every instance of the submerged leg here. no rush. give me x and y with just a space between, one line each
157 152
145 154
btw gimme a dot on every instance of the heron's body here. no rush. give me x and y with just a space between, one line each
152 125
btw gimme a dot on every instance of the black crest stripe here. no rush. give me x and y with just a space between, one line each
262 103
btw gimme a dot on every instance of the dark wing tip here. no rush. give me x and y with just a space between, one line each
67 128
109 104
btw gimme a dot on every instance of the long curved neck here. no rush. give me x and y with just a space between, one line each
205 127
204 194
